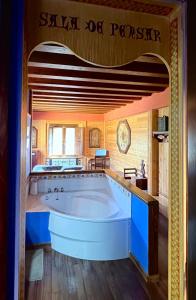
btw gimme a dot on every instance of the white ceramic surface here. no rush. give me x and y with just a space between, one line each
90 219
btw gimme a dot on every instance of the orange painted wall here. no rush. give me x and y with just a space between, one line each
155 101
50 116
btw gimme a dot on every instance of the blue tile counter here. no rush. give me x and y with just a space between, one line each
37 228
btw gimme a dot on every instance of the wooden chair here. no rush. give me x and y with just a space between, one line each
101 160
140 179
129 171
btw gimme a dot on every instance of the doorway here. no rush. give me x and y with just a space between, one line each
176 163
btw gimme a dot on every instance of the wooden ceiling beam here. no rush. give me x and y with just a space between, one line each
88 90
73 107
58 49
89 101
72 104
83 97
95 80
78 91
71 62
72 111
77 109
147 71
86 105
145 88
82 93
95 77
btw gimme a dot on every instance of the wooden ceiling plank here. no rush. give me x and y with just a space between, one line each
139 82
80 98
62 88
140 64
43 92
72 109
94 85
81 101
77 105
95 77
48 104
59 49
144 72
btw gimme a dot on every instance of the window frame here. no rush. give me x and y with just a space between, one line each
63 126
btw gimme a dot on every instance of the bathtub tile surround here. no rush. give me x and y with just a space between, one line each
47 182
98 215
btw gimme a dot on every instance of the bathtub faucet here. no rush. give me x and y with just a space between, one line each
56 189
62 190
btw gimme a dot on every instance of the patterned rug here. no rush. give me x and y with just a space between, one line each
34 264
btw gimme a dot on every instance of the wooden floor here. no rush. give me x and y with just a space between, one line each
67 278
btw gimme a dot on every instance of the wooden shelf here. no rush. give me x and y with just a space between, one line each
161 136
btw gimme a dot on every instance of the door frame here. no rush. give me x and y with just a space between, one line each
177 157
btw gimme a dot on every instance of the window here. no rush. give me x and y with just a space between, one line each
61 140
70 141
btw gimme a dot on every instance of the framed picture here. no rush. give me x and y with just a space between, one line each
94 138
123 136
34 137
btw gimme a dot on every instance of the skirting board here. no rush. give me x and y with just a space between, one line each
147 278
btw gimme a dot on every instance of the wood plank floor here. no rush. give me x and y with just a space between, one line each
67 278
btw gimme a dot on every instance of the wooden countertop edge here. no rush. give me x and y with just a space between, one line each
130 187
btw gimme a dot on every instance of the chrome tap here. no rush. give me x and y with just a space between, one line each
62 190
56 189
49 190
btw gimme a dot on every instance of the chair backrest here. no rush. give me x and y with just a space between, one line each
101 152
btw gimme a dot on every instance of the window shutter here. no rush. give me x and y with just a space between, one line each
79 138
50 137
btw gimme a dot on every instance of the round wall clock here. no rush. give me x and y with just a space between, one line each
123 136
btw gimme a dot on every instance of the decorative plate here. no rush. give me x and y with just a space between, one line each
123 136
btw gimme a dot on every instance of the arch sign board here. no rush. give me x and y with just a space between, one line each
101 35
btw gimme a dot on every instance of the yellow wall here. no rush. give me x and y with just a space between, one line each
139 143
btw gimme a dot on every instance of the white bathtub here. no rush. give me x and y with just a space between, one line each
90 223
92 205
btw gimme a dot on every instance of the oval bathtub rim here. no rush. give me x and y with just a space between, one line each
106 220
119 215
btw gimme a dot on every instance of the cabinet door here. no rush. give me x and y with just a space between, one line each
79 141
